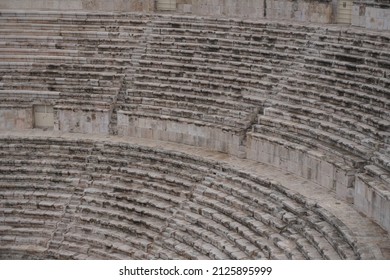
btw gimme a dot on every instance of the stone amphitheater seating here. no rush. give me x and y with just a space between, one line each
311 100
69 198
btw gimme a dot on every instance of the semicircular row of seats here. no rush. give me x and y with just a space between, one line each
321 94
73 63
85 199
312 100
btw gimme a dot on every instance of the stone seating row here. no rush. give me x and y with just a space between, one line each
379 100
246 207
31 207
82 44
270 34
276 43
319 67
367 78
92 59
319 164
109 21
340 56
185 90
334 124
92 32
378 91
62 88
207 223
306 42
101 206
322 132
171 159
62 63
194 51
179 21
201 111
12 23
374 119
211 49
185 21
348 177
84 47
377 85
112 48
154 98
365 123
209 232
293 30
201 70
344 141
354 93
152 170
207 77
11 68
59 82
351 120
292 205
106 190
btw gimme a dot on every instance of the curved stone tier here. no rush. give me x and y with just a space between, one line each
311 100
69 198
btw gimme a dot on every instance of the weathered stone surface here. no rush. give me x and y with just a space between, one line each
310 100
141 211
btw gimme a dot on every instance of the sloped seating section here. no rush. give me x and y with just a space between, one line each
80 199
322 94
78 61
312 100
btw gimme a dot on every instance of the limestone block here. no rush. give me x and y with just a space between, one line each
293 167
386 22
327 174
16 118
245 9
83 121
381 208
207 7
184 8
344 192
283 163
315 165
252 148
171 136
372 200
164 136
147 133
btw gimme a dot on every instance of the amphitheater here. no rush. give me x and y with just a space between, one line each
195 130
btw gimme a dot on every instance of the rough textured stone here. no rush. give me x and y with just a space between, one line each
307 99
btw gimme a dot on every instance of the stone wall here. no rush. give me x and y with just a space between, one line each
82 120
371 15
319 11
16 117
89 5
373 200
366 14
190 133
